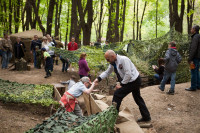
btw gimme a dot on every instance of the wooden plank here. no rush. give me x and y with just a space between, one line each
57 95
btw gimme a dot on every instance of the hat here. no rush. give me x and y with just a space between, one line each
43 49
85 79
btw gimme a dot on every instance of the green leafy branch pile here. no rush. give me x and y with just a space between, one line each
144 54
68 122
26 93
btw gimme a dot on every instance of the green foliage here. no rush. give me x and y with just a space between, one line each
26 93
144 54
68 122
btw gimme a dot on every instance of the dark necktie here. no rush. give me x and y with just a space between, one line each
115 70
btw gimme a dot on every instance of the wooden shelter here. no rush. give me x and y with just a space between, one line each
26 37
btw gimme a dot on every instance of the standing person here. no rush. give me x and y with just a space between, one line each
51 52
6 48
72 45
194 59
35 42
65 63
172 59
39 57
83 66
48 62
44 42
159 70
48 36
19 48
59 45
69 101
129 79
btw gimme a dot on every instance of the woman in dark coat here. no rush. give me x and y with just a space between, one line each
19 48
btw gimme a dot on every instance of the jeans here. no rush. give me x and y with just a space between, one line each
34 59
195 79
6 56
65 65
166 76
157 76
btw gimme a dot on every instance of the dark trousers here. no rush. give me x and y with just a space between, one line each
48 66
134 88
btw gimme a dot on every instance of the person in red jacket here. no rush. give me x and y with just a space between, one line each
72 45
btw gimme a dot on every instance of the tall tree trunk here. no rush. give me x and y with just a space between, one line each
156 18
110 28
33 25
75 31
86 27
5 21
123 19
137 20
23 9
17 15
190 6
50 16
10 16
116 31
175 18
134 20
36 9
59 14
28 9
140 29
100 20
56 19
67 30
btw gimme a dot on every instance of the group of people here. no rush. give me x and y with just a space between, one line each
168 64
128 75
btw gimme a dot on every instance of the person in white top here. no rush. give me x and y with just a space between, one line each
129 79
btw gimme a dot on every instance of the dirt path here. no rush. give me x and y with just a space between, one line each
179 113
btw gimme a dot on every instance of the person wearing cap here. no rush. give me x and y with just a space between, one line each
48 62
194 59
129 79
68 99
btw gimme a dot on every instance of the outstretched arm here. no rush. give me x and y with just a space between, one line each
88 91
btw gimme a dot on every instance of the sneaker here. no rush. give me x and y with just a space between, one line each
160 88
170 93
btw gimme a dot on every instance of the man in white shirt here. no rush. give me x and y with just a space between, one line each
129 79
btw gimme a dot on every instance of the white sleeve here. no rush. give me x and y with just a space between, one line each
107 72
127 71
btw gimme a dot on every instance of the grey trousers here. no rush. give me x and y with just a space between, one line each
78 110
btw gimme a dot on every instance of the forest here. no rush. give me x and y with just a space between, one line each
92 20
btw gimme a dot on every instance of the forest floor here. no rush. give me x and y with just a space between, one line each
179 113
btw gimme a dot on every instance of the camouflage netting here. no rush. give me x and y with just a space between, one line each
144 54
68 122
26 93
